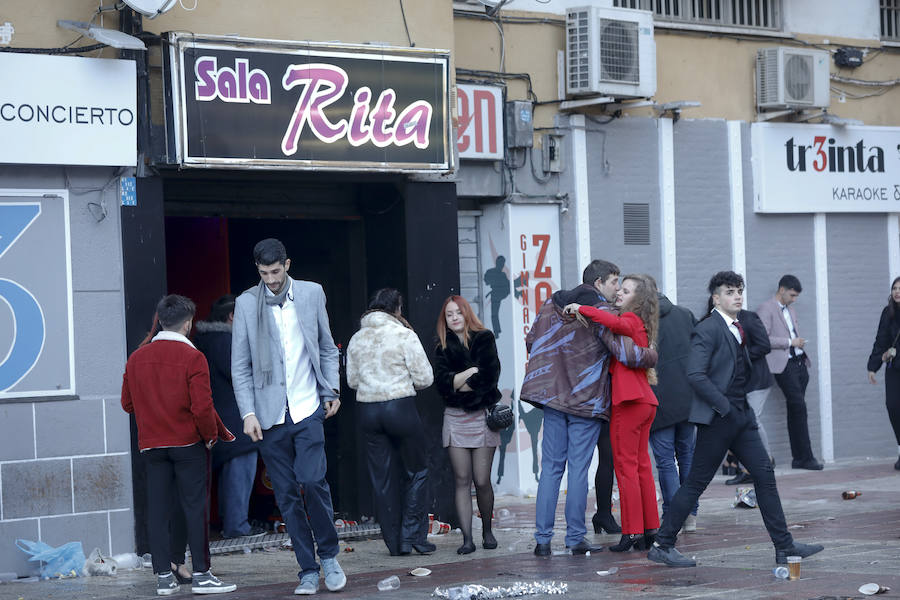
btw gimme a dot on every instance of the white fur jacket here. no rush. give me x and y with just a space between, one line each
385 359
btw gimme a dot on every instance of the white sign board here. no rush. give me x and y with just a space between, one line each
67 110
800 168
480 131
521 269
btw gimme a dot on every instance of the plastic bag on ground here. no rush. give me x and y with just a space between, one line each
65 561
97 564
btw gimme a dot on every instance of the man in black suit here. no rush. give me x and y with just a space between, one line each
719 371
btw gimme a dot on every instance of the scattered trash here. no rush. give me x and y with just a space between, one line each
746 547
871 589
561 552
437 527
128 561
520 588
794 563
420 572
65 561
744 498
796 526
781 572
246 549
147 560
505 518
609 571
388 584
348 549
97 564
279 527
850 494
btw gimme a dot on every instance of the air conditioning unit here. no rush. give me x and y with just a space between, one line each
610 51
789 77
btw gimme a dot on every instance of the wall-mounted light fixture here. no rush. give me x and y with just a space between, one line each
110 37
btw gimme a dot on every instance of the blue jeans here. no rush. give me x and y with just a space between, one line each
567 439
235 485
668 444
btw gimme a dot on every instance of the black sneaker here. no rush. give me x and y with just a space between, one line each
166 584
796 549
207 583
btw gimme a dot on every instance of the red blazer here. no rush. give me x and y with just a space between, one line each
166 386
628 384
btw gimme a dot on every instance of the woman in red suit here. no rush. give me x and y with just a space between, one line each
633 409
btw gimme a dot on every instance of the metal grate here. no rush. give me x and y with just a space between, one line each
798 74
619 51
767 76
578 66
761 14
890 20
636 218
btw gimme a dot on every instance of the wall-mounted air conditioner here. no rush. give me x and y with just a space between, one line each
610 51
789 77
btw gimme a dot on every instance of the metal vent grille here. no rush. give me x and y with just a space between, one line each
579 60
767 76
619 51
890 20
637 224
798 78
762 14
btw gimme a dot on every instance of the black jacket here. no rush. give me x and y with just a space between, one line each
711 368
673 343
757 347
455 358
213 339
885 337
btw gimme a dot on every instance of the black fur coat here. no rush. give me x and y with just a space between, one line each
455 358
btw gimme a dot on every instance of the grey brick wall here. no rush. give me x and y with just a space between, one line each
859 285
65 467
622 168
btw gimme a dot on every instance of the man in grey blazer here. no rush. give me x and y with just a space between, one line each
718 369
789 362
284 368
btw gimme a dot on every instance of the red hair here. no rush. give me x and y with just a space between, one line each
470 320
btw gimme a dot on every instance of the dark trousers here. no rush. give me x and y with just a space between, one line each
892 398
737 431
294 454
603 478
178 475
395 449
793 381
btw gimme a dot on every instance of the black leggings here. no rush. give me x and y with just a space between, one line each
473 464
603 478
892 399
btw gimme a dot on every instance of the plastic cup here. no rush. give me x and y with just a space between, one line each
794 566
781 572
391 583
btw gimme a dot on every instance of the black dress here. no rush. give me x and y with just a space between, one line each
887 337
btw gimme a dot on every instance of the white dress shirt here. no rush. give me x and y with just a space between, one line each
300 380
786 314
731 326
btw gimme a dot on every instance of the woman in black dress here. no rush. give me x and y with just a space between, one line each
466 372
884 350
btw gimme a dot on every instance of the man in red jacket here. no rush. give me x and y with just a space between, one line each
166 386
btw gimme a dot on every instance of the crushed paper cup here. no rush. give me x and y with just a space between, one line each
744 498
609 571
870 589
420 572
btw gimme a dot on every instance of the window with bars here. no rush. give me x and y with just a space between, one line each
890 20
758 14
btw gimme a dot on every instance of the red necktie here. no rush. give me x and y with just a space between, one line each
740 331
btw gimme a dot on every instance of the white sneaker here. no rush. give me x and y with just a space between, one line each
207 583
690 524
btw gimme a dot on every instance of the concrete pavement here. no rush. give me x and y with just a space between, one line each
735 556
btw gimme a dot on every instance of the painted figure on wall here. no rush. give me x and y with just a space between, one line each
498 279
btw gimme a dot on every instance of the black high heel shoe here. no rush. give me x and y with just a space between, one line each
605 523
629 541
488 541
468 547
649 538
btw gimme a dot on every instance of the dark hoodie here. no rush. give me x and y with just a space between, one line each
673 342
568 363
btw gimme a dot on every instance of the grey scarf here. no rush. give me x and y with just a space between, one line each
263 302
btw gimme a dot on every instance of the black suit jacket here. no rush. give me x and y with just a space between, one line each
758 347
710 368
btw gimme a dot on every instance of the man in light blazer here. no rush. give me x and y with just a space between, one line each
789 362
284 368
718 369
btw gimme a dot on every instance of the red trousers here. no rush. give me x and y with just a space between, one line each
629 427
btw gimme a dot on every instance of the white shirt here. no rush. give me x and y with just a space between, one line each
300 380
731 326
786 315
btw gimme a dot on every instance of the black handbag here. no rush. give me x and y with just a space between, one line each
499 417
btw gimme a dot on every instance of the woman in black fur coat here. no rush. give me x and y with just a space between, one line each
466 372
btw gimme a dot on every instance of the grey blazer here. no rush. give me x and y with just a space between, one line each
710 368
268 401
779 335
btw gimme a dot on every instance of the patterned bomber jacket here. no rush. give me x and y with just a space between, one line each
385 359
